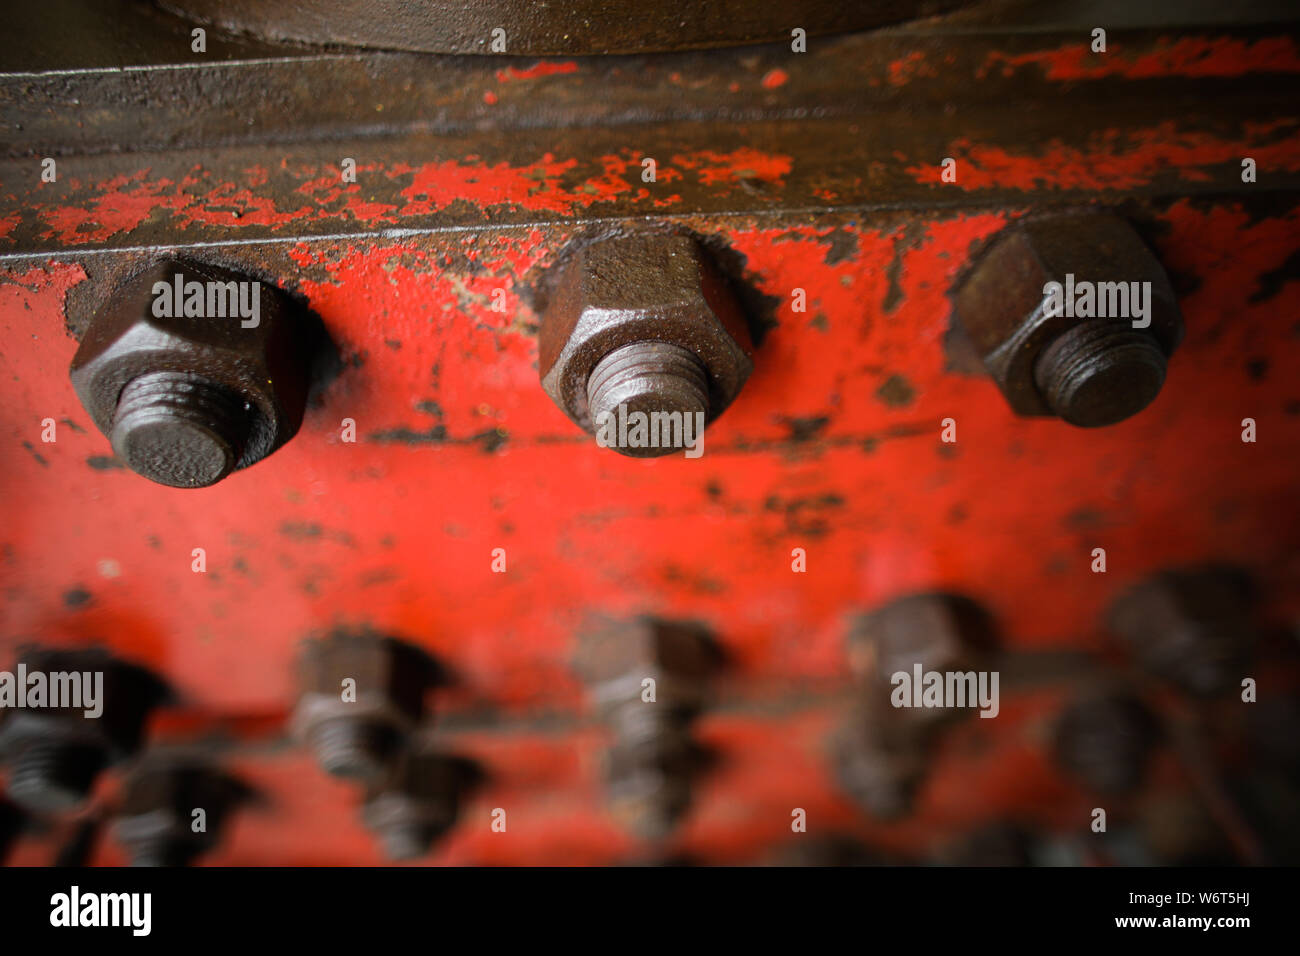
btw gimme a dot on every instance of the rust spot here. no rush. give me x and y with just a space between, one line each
896 392
806 429
76 598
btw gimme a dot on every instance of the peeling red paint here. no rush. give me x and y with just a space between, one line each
725 169
1183 56
1110 161
909 67
510 74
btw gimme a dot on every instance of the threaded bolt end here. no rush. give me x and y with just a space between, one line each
52 777
407 841
165 851
650 377
1099 373
352 748
179 429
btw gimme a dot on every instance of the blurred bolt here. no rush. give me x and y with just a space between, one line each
418 802
1190 626
880 760
159 822
649 678
939 631
358 737
57 753
1105 739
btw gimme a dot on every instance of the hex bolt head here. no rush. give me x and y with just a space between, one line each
1191 626
615 657
359 738
1088 371
187 399
646 320
880 761
938 630
1105 740
57 753
157 821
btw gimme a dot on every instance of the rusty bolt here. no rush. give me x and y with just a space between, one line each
418 801
650 772
649 679
1105 739
615 658
936 630
57 753
1088 371
158 822
361 695
187 400
1190 626
880 760
647 322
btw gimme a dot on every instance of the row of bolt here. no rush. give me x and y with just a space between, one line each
365 699
1190 627
642 321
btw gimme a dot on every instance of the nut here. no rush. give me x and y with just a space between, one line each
158 823
418 801
616 657
188 399
1190 626
1088 371
936 630
57 753
357 729
1104 739
643 320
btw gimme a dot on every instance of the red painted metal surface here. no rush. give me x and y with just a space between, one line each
833 447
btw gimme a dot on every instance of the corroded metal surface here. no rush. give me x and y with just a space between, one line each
470 518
